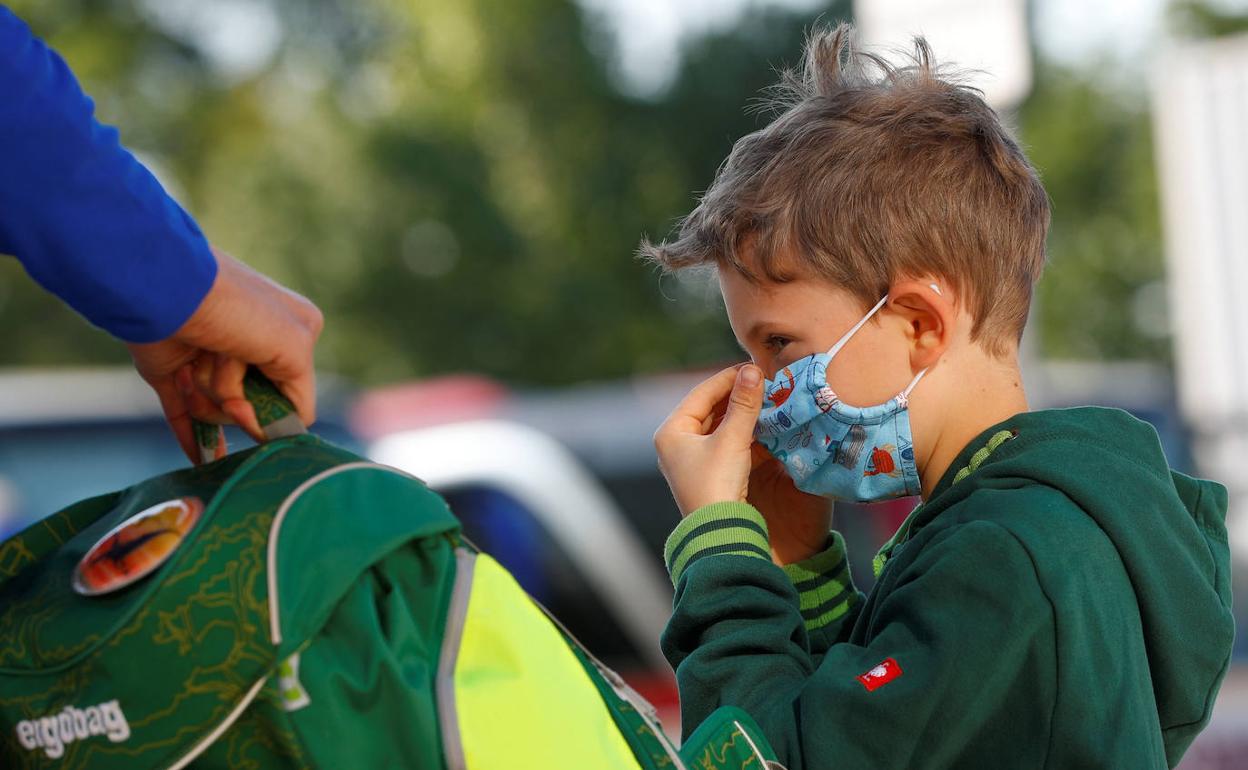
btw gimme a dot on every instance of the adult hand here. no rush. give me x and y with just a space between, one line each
704 459
245 319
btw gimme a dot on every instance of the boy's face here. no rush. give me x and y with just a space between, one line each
779 323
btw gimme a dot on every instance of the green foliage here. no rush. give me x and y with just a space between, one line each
460 186
1093 148
1202 19
457 184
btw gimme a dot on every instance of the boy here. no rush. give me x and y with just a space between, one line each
1059 599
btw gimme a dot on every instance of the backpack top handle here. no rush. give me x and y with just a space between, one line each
274 411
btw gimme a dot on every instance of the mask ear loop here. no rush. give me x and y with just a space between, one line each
903 398
832 351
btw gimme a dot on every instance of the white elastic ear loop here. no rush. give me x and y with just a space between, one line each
903 398
832 351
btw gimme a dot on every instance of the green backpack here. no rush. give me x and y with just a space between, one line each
296 606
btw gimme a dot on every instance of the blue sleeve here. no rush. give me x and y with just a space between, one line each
88 221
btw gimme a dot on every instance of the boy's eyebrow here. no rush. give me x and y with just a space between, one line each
756 331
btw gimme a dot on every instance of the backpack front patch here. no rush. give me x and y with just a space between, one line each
136 547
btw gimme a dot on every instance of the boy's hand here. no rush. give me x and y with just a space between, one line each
706 460
797 523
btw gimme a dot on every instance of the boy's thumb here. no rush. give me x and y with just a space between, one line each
744 404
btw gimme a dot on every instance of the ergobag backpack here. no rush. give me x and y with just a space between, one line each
296 606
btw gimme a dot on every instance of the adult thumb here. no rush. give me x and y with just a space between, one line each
743 405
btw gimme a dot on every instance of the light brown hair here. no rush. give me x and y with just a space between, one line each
872 172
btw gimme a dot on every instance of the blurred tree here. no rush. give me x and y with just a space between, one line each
460 186
1092 144
1206 19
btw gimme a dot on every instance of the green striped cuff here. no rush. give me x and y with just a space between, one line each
824 586
718 528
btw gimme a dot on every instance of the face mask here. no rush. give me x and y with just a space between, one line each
832 449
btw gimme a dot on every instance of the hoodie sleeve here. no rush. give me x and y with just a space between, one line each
826 595
918 687
88 222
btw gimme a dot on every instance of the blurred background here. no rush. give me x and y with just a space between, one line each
460 185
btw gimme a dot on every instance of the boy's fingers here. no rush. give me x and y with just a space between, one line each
690 414
758 455
716 416
743 406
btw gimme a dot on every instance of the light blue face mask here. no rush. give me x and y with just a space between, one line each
832 449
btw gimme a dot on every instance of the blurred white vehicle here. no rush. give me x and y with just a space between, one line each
526 500
494 466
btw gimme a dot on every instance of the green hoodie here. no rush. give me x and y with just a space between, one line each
1062 599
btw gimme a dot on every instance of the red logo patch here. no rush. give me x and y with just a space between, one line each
880 675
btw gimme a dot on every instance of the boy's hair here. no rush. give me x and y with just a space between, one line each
873 172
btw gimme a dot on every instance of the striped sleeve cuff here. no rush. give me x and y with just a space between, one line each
718 528
824 586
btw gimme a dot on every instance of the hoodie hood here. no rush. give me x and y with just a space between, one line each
1169 530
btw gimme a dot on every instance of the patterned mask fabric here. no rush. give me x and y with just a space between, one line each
832 449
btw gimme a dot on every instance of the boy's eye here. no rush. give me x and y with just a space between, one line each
775 344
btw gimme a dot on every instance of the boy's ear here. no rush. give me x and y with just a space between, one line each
927 309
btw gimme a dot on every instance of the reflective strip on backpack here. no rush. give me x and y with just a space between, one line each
456 614
511 693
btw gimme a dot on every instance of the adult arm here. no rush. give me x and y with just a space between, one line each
94 227
87 221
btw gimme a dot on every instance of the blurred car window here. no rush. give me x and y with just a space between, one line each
50 467
44 468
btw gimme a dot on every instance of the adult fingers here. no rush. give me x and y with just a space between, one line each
201 397
177 414
297 382
255 320
227 391
293 368
743 405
